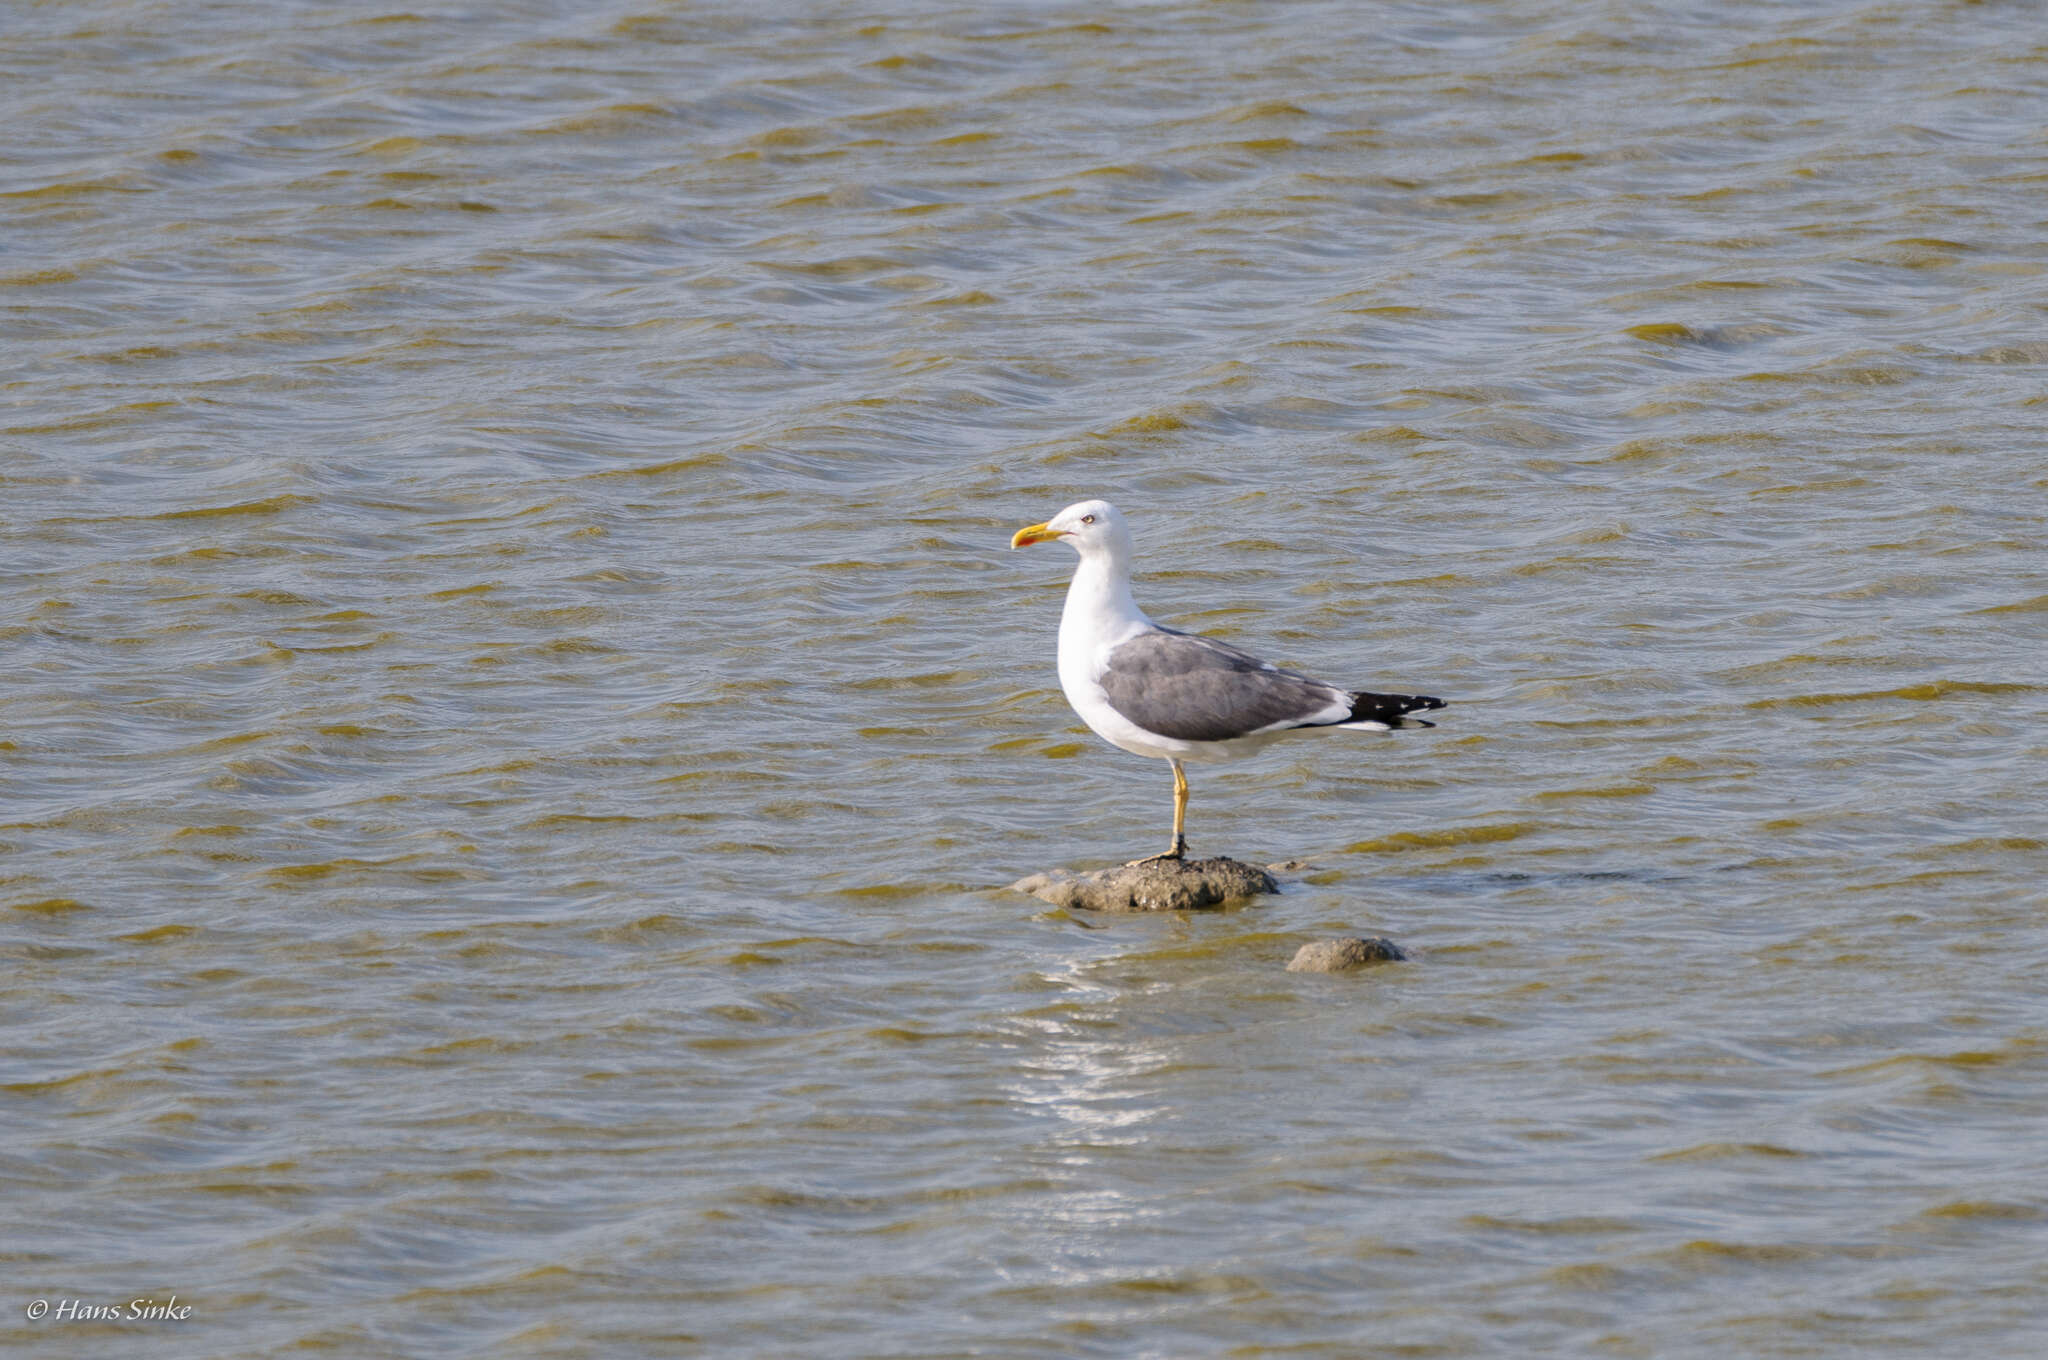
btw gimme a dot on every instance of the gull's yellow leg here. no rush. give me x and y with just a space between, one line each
1180 809
1180 816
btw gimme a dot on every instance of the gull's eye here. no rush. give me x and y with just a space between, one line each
1087 519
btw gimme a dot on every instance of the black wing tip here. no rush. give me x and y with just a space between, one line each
1390 708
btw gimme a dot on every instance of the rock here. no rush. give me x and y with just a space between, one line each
1341 956
1162 885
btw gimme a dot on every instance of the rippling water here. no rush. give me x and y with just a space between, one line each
517 712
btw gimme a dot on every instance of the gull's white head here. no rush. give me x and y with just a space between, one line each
1090 528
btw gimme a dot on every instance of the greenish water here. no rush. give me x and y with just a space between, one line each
518 713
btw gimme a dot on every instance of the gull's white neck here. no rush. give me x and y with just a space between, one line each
1100 614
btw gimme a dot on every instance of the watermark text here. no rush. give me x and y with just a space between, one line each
134 1310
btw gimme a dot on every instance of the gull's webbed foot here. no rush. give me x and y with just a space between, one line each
1179 852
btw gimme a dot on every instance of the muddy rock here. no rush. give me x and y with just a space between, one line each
1163 885
1341 956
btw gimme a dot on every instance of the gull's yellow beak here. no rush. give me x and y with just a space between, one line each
1033 533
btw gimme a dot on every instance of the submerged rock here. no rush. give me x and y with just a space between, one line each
1162 885
1341 956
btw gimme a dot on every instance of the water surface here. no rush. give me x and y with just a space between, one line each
517 713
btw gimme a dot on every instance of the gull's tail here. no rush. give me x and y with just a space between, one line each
1380 712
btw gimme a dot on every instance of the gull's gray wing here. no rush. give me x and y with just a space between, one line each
1194 688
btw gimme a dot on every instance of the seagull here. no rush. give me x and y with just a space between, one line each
1177 696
